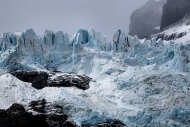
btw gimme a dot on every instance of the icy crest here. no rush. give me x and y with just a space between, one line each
54 49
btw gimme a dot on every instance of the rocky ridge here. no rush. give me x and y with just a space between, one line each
146 20
43 114
40 80
173 11
170 32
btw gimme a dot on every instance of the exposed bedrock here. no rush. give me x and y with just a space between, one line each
173 11
146 20
43 114
40 80
38 114
175 35
107 123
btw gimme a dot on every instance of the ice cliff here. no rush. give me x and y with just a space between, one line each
137 81
23 51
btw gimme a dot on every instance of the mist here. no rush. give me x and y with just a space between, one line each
104 16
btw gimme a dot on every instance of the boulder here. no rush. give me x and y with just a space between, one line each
40 80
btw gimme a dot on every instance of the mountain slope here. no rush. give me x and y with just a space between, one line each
173 11
178 32
147 19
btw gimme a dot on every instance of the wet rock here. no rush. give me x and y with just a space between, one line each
69 124
108 123
40 80
39 114
175 35
43 114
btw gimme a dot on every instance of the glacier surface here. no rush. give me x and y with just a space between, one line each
139 82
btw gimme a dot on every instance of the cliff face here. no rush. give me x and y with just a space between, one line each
135 82
146 20
173 11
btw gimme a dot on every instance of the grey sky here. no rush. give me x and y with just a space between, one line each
67 15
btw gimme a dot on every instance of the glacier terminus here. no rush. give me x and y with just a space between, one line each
137 82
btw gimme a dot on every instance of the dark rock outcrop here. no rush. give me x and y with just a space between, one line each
146 20
46 115
40 80
43 114
108 123
173 11
173 36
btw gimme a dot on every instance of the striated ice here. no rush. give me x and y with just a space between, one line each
81 36
30 42
98 41
120 41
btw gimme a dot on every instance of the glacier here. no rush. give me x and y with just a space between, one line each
137 81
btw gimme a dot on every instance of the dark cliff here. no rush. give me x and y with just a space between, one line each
147 19
173 11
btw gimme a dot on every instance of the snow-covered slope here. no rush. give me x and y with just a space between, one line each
178 32
139 82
